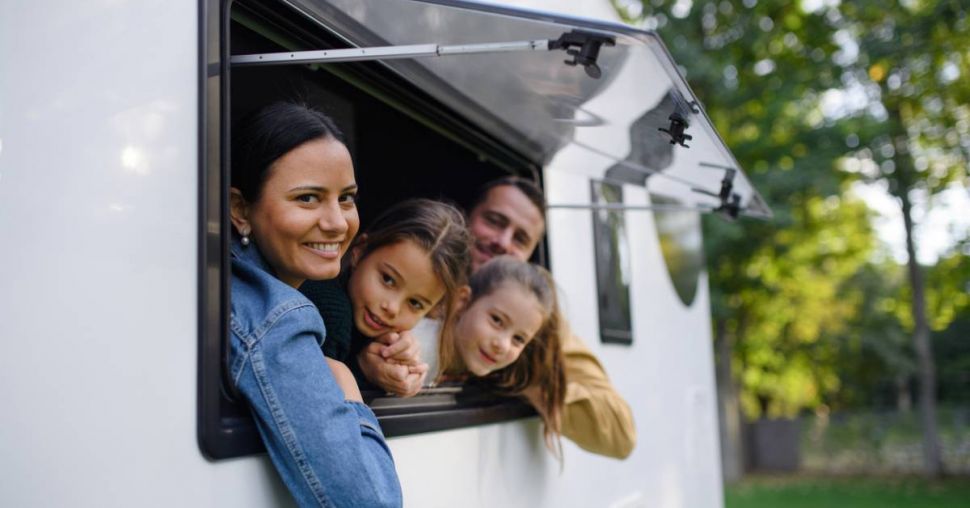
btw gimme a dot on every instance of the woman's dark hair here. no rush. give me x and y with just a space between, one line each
267 134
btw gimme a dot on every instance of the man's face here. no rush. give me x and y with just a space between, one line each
505 222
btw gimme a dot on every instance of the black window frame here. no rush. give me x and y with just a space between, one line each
225 428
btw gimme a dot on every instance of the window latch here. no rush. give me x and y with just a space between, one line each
587 49
678 124
730 206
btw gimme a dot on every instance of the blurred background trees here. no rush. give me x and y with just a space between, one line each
825 103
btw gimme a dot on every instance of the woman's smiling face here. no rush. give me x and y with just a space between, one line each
492 332
306 214
392 288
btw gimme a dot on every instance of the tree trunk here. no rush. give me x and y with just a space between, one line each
932 456
904 402
905 176
729 415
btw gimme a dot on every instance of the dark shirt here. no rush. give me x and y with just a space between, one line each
343 341
330 297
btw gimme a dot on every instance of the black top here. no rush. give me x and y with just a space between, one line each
330 297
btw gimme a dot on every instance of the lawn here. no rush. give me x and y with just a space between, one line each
823 492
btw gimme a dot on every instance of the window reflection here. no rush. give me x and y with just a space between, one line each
649 148
613 272
682 246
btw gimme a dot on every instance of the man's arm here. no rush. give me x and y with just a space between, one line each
595 417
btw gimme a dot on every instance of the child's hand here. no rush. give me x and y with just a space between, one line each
403 380
401 347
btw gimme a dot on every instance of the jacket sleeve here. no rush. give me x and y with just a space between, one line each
328 451
595 417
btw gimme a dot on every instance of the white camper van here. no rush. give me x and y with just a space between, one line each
115 124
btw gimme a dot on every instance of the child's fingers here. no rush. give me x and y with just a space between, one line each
412 385
397 373
420 368
421 379
387 339
407 385
406 349
400 350
374 348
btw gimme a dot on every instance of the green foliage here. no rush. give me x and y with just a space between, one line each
780 285
949 304
913 54
814 317
800 295
952 349
875 347
948 297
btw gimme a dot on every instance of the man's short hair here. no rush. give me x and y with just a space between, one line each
528 187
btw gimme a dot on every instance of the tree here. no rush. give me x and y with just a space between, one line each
810 99
909 57
774 285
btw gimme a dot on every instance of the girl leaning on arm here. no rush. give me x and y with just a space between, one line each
506 330
411 260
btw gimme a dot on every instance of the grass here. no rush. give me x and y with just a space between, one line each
850 492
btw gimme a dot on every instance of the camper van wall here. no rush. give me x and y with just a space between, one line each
115 122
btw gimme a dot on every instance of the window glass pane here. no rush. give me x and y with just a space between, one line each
536 103
679 233
612 265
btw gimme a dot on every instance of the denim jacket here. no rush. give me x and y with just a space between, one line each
328 451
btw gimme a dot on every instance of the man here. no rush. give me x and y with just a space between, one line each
508 219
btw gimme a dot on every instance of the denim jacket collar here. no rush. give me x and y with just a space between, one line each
249 254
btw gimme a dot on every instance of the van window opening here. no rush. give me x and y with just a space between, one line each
582 46
439 128
404 144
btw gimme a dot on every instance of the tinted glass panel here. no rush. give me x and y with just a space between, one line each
539 105
682 246
613 273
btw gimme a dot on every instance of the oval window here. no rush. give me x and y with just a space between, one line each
682 245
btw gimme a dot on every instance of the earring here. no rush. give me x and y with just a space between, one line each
245 238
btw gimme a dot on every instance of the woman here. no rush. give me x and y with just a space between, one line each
293 211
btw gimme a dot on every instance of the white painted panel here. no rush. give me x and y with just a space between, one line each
98 207
98 211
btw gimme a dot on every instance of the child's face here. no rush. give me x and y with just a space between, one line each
493 331
392 288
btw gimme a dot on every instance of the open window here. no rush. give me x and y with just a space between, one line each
404 144
424 125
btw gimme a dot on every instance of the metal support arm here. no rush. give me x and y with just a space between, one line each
384 53
581 45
